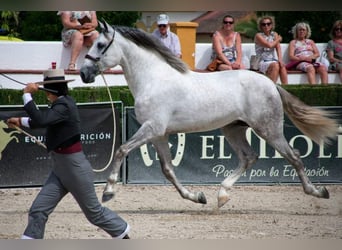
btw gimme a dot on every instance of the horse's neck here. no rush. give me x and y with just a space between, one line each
138 65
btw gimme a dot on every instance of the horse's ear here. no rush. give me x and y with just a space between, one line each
105 27
101 26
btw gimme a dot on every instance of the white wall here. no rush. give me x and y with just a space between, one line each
37 56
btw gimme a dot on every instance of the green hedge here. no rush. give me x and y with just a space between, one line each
81 95
315 95
318 95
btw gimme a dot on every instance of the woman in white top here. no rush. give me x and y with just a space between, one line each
79 29
227 45
267 43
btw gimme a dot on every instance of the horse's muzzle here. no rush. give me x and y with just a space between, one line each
88 73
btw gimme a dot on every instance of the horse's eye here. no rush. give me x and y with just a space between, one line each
100 46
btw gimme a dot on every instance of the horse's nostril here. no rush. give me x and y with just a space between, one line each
82 75
86 76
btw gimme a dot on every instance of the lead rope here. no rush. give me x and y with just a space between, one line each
114 129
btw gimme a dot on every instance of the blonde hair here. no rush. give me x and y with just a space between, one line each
338 23
261 19
301 25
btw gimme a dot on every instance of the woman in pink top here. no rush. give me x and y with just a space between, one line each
304 50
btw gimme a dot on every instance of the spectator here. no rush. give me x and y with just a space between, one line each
304 52
226 45
267 43
78 30
168 38
71 171
334 48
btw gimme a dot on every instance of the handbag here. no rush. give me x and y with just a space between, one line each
293 64
214 64
86 31
82 21
254 62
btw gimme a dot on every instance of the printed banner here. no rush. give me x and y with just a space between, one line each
24 163
206 158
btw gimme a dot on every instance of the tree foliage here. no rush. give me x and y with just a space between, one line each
125 18
9 23
40 26
47 26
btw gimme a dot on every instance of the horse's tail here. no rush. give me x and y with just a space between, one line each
313 122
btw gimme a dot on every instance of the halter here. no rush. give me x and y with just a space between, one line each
96 59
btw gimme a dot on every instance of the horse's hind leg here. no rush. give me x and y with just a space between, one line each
235 134
278 141
162 147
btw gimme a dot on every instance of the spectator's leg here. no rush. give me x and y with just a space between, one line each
88 40
322 70
273 71
283 75
223 66
311 73
76 47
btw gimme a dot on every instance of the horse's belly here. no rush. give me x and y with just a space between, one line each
196 123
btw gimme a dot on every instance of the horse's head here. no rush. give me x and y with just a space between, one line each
101 55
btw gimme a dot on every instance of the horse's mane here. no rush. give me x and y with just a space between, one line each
146 40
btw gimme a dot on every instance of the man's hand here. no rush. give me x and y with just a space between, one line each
31 88
13 121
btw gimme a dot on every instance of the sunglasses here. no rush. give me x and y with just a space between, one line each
162 26
228 22
266 24
338 29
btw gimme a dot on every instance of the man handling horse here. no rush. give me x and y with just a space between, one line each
71 170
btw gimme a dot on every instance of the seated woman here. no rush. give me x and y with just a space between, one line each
227 46
334 48
79 30
304 52
267 42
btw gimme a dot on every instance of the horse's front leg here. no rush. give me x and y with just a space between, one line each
162 147
143 135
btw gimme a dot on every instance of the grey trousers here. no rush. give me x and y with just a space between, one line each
72 173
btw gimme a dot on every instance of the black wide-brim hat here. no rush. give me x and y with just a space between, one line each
54 76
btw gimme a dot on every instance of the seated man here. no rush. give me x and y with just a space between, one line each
168 38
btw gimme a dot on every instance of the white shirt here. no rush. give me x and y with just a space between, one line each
170 40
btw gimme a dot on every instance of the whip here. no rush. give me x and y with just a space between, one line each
31 136
40 88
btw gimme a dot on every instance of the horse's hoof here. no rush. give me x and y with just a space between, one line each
325 193
201 198
222 198
107 196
